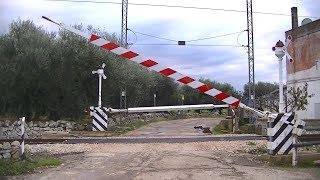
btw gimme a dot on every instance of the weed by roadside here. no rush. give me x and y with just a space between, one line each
218 129
283 164
9 167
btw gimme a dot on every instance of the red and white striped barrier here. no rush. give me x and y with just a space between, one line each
151 64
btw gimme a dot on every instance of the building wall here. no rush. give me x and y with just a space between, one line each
305 68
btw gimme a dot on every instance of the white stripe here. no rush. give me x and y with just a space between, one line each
176 76
119 50
97 125
275 129
213 92
285 146
138 59
100 42
195 84
75 31
230 100
283 135
157 67
271 145
98 118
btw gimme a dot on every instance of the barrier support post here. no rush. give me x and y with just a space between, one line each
22 154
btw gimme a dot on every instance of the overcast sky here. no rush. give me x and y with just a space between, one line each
221 63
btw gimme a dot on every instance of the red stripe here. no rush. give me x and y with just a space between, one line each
167 71
204 88
129 54
221 96
235 104
109 46
186 80
94 37
148 63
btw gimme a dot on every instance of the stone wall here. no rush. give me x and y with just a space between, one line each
9 150
33 130
36 130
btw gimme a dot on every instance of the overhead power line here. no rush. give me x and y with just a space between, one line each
178 6
152 36
216 45
193 40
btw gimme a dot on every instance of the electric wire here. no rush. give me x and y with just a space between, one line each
152 36
200 39
179 6
215 36
215 45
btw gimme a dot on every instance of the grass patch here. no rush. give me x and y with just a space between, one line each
304 164
218 129
250 143
9 167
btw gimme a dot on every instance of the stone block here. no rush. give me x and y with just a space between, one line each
15 143
15 153
6 155
1 146
80 127
1 123
6 145
42 124
52 124
5 151
30 124
1 156
6 123
47 129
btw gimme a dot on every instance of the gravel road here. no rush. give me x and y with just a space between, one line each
197 160
190 160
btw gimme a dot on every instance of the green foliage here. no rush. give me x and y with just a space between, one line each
219 129
284 164
49 74
10 167
298 98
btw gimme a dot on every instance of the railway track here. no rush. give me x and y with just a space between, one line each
303 138
136 140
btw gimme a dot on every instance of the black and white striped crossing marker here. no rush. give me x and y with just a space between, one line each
280 131
99 118
22 123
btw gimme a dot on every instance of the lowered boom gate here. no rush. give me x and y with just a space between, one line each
281 126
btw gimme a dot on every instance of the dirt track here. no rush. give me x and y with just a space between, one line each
200 160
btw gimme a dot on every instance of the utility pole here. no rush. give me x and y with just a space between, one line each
251 84
124 43
124 24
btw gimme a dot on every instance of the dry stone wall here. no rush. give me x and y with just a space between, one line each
9 150
33 130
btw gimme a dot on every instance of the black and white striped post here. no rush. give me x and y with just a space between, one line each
22 154
280 133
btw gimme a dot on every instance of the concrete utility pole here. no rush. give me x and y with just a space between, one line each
280 52
101 75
